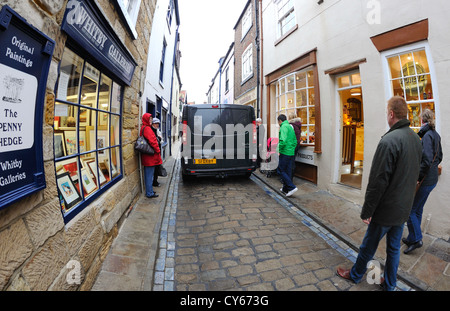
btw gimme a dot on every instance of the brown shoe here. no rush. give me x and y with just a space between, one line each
344 273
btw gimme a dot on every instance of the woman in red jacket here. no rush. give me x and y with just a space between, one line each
150 161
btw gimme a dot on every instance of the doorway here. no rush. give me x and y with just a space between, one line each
352 129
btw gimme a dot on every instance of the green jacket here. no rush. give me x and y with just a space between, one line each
287 139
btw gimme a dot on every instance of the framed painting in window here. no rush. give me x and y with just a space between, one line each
68 190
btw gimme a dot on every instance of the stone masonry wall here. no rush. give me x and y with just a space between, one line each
37 250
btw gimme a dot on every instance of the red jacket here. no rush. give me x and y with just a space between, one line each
147 159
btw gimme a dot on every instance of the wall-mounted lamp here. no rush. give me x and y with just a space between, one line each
320 2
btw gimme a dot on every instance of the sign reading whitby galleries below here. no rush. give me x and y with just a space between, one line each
86 26
25 56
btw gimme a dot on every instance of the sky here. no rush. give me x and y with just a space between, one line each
206 33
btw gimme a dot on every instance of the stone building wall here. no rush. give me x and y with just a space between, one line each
38 251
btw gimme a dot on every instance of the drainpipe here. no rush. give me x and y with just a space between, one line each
261 57
258 59
171 91
139 128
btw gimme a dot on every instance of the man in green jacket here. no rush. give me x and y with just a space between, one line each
389 195
286 148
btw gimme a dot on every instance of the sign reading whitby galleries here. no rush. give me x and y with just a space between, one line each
86 26
25 56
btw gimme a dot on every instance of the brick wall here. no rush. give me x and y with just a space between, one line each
239 47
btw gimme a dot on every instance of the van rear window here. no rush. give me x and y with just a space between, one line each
235 116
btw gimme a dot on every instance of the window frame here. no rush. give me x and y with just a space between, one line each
411 48
86 200
280 19
130 17
247 21
247 63
163 60
294 91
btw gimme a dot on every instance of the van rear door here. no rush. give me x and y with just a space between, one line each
238 124
205 134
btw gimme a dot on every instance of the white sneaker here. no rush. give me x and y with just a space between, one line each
291 192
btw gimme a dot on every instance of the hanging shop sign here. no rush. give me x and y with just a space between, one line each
25 56
85 25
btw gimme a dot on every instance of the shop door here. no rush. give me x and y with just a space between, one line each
351 129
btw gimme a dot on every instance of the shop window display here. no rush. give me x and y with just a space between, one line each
410 77
295 94
86 132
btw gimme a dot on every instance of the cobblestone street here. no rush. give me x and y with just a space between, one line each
230 234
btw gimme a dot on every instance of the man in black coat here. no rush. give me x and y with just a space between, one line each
389 194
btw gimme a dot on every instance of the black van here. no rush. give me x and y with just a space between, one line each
218 140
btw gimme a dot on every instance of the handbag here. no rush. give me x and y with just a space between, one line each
161 171
143 146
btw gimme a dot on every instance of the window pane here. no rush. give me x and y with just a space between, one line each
356 79
69 77
103 120
344 81
90 86
410 88
394 66
290 81
301 98
115 130
414 115
408 68
397 87
426 87
420 58
105 93
300 80
282 102
290 100
90 136
102 140
310 75
68 183
311 97
115 98
115 158
282 86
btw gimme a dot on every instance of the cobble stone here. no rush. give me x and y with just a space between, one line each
231 235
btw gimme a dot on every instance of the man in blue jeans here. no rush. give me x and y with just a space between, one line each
286 148
389 194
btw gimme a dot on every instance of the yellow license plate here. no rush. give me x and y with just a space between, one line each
204 161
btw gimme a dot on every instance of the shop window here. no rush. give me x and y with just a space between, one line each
86 132
295 95
410 77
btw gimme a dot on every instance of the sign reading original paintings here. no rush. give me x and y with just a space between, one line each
25 55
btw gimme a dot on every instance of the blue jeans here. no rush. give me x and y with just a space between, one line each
368 248
415 218
285 171
149 171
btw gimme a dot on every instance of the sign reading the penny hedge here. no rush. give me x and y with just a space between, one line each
25 55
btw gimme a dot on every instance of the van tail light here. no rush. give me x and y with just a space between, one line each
184 132
215 106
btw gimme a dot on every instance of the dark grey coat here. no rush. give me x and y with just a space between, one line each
393 176
432 150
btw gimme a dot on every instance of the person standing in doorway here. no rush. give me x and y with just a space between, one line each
286 148
431 158
389 195
150 161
